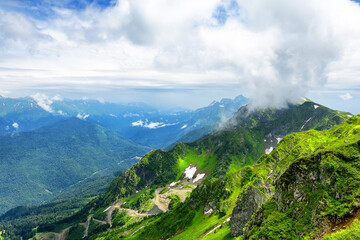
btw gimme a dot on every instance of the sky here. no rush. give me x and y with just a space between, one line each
183 53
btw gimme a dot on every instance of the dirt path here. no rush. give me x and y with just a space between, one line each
162 201
53 235
216 227
137 230
86 225
129 212
99 221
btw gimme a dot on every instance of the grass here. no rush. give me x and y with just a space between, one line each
350 233
205 161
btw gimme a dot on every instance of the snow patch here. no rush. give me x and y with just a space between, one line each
278 139
184 126
316 106
112 115
15 125
305 124
198 177
349 115
174 183
189 172
222 105
208 211
264 140
269 150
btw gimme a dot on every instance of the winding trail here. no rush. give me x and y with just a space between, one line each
216 227
86 225
53 235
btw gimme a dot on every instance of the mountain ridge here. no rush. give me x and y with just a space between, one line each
54 157
220 156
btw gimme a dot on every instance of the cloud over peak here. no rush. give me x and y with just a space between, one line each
274 50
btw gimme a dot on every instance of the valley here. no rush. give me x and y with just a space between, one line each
217 187
197 190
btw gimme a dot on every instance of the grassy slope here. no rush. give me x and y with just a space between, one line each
231 150
318 189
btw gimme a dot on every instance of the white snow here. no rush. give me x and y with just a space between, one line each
316 106
184 126
198 177
136 191
112 115
269 150
208 211
189 172
107 209
174 183
305 124
264 140
349 115
15 125
222 105
278 139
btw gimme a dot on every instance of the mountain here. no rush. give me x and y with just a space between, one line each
38 165
143 124
158 129
212 187
23 114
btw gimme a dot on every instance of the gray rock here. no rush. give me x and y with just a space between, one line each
247 204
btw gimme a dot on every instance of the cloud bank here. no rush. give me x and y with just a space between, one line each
274 50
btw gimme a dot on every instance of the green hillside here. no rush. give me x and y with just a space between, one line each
232 161
37 166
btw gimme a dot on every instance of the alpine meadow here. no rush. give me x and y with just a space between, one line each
179 119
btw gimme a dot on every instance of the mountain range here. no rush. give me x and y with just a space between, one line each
38 165
143 124
231 183
290 173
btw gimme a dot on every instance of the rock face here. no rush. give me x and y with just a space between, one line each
247 204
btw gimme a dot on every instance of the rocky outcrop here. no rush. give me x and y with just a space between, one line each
247 204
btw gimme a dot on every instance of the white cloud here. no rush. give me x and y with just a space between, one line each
151 125
276 50
346 96
43 101
15 125
82 116
138 123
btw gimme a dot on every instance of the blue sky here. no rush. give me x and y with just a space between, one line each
184 53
